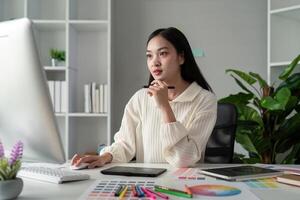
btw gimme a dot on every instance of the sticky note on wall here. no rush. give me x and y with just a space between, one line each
198 52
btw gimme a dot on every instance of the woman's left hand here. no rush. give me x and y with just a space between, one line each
159 90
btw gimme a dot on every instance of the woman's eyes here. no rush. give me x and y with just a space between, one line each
163 53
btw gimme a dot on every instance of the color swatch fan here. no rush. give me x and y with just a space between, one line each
215 190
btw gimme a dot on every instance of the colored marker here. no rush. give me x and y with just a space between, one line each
188 190
119 190
172 191
149 194
133 191
163 196
123 192
139 191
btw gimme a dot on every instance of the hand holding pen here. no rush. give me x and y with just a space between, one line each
159 90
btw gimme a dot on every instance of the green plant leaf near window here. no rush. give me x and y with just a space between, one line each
268 118
57 54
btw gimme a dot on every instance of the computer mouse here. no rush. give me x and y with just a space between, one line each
81 166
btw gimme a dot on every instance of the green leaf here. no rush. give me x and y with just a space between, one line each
288 70
261 81
246 142
3 173
249 114
292 82
237 99
290 128
241 84
247 78
297 108
279 102
289 108
292 156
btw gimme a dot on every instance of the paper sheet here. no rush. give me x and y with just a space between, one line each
209 190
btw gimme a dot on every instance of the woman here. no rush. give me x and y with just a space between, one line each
172 119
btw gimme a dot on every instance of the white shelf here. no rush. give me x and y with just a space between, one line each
60 114
283 36
82 29
287 11
47 25
280 64
56 68
88 114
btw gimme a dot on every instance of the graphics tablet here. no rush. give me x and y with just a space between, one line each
134 171
239 173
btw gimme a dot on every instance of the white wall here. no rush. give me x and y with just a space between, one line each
232 33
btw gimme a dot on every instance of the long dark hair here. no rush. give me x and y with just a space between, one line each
189 69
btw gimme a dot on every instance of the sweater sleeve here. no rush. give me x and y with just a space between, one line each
124 147
183 146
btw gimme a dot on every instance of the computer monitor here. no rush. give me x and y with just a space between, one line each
26 111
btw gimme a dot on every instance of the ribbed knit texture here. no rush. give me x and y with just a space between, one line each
144 135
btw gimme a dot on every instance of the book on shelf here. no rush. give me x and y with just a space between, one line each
87 98
290 179
101 98
95 98
97 109
63 99
57 89
58 93
105 98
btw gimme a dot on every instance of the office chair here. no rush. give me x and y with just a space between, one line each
220 146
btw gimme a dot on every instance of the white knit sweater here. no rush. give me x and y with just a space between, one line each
182 143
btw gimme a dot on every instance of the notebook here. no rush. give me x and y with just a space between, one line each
291 179
239 173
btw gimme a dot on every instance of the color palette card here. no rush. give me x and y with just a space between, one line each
264 183
105 189
211 189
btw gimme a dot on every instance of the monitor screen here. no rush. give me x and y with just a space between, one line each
26 112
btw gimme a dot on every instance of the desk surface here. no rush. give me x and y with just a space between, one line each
34 190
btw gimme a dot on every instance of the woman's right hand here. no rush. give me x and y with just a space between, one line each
93 160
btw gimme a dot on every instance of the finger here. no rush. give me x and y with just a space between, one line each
97 163
75 159
164 83
86 159
153 88
154 83
160 83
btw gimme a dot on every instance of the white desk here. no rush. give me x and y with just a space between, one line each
35 190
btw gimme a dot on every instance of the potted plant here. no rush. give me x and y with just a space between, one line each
268 116
57 56
10 185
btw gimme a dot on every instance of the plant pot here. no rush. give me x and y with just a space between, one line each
10 189
53 62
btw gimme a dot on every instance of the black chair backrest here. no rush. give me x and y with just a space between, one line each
220 146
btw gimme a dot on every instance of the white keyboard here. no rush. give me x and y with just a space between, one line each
53 175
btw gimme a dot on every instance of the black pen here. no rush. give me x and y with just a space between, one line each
169 87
